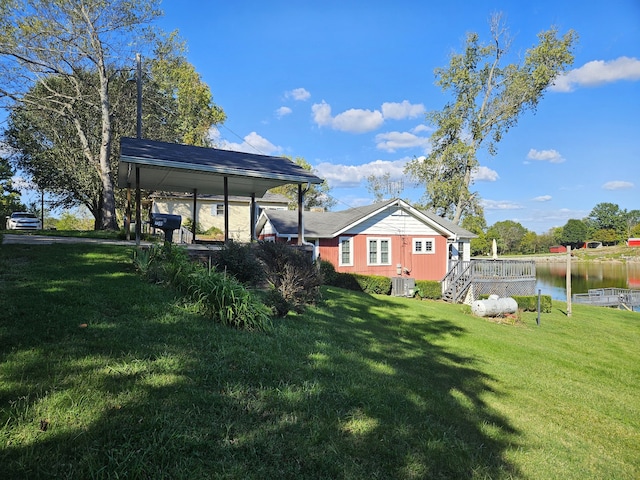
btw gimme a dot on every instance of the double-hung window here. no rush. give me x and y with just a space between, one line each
345 251
424 246
379 251
217 210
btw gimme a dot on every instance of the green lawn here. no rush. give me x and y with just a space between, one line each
105 376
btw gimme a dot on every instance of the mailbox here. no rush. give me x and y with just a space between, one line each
167 223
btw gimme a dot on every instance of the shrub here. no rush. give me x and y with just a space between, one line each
239 260
227 301
354 281
431 289
530 303
374 284
291 272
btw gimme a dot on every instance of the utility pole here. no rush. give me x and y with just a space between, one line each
568 280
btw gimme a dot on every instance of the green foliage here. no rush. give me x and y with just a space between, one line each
431 289
207 292
608 236
529 303
9 196
240 261
488 97
574 233
315 196
71 221
353 281
508 234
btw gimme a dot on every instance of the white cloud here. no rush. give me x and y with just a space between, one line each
349 176
422 128
400 111
484 174
391 141
299 94
542 198
357 120
322 114
598 72
354 120
253 143
500 205
283 111
617 185
551 156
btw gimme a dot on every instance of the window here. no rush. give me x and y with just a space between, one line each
424 245
345 251
379 251
217 209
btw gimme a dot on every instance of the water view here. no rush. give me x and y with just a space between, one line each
551 277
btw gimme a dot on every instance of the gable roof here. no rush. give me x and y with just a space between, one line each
185 168
332 224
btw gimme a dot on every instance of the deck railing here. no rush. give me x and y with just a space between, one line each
501 277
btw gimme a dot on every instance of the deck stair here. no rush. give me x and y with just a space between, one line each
457 282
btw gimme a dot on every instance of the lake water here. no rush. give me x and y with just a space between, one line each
551 277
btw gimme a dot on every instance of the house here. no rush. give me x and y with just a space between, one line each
210 210
389 238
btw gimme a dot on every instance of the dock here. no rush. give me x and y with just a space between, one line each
609 297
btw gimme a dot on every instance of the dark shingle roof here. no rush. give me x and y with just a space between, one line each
330 224
183 168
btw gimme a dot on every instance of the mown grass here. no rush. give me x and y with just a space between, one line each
105 376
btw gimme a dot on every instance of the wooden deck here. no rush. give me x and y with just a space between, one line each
488 276
609 297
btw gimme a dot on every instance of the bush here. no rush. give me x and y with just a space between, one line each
530 303
431 289
239 260
373 284
354 281
291 272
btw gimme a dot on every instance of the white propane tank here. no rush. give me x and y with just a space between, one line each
494 306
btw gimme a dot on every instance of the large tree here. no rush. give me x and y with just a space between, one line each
69 62
508 235
574 233
9 196
177 107
488 97
314 195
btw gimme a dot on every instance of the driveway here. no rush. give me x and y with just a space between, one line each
9 238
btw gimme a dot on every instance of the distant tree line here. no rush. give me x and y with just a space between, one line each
606 223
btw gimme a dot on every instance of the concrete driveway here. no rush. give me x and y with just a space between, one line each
9 238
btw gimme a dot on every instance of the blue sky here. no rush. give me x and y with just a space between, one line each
346 85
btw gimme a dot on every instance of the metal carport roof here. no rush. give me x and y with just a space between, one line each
185 168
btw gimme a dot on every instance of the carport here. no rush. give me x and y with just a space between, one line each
170 167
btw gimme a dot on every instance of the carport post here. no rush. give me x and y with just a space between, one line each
299 214
253 217
195 215
226 210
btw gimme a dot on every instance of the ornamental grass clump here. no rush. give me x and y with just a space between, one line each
206 291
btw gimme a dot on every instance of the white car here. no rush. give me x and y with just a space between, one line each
23 221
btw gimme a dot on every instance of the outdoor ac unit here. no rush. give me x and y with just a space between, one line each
403 286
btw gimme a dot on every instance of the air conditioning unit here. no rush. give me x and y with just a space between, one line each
403 286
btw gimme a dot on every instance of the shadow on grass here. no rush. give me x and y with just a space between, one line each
359 387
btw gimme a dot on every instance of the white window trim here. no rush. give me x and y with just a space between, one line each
424 251
349 240
378 240
214 209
